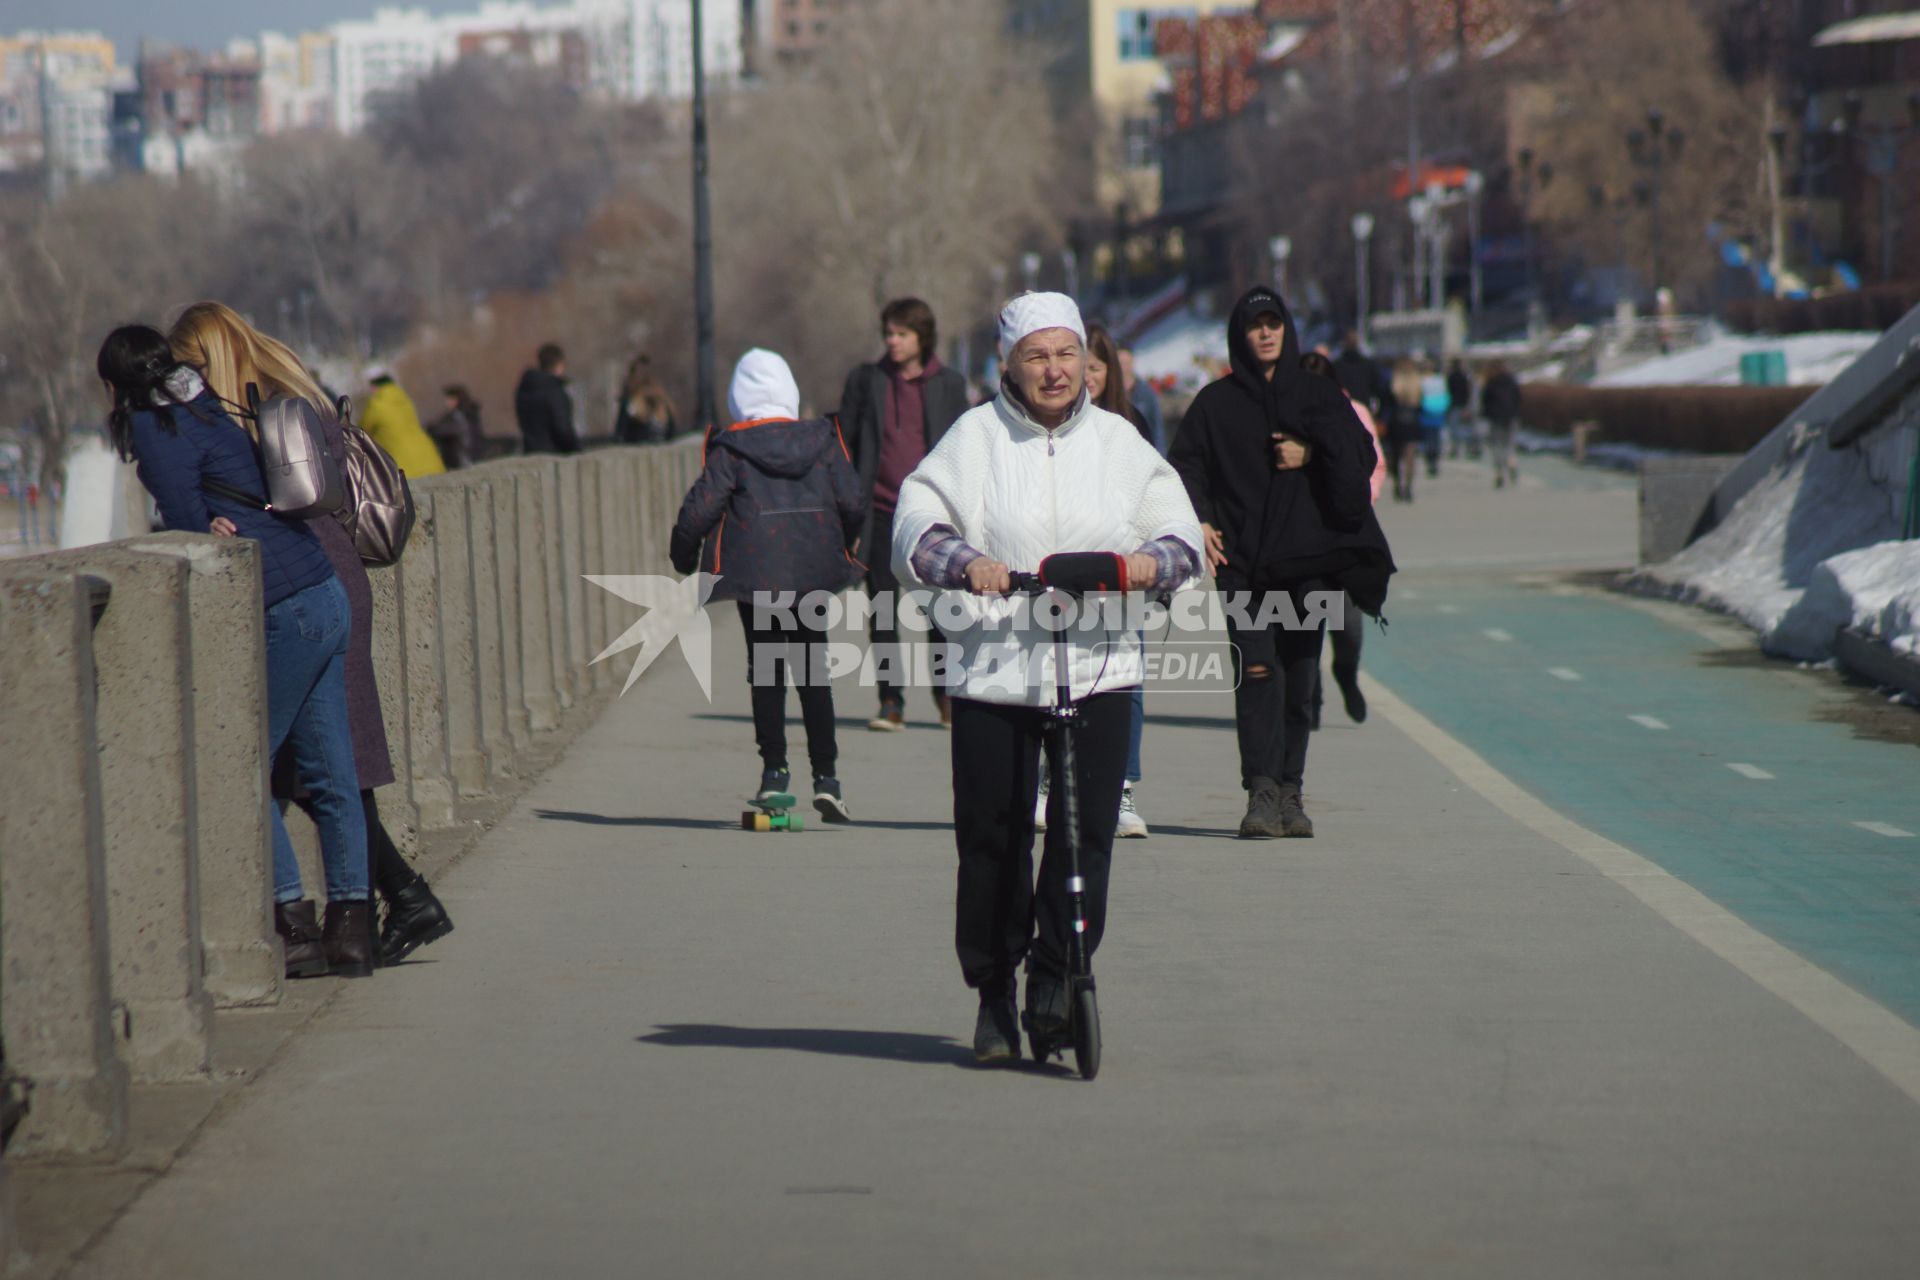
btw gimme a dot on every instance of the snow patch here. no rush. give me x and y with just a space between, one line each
1813 359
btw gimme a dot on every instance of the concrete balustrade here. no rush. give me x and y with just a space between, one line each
135 861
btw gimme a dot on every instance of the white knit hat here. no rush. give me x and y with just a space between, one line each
1032 312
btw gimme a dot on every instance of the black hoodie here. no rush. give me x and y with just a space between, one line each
777 504
544 407
1282 528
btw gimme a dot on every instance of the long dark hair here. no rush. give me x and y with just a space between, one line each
136 362
1113 396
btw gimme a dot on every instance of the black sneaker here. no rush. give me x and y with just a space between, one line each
774 782
996 1031
1046 1004
828 800
1294 821
1263 821
1355 700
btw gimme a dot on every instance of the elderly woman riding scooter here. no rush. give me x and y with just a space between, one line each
1036 471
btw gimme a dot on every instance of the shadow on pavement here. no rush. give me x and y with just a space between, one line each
892 1046
733 824
840 722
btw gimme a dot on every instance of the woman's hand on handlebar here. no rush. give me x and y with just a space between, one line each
988 578
1142 571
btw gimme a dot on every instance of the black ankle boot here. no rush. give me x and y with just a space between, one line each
348 938
299 927
414 918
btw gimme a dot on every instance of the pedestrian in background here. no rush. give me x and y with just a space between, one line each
229 353
892 413
777 506
646 414
1277 466
1434 406
1461 432
456 432
1500 401
1359 376
543 404
201 465
1347 625
1108 392
390 418
1145 401
1403 426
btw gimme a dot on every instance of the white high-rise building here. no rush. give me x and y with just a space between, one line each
627 50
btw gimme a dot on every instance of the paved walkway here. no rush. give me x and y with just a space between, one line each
1455 1035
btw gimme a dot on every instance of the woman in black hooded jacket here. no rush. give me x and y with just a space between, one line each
1279 469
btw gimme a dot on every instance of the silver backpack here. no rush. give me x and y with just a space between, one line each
303 478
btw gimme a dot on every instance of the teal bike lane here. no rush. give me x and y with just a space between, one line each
1735 776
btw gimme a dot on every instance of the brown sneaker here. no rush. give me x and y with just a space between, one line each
945 705
890 719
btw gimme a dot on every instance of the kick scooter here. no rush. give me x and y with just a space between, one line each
1073 574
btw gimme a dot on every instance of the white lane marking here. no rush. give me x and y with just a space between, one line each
1564 673
1495 633
1753 771
1449 608
1885 829
1882 1039
1649 722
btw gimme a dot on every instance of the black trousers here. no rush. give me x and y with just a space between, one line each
881 584
996 775
770 651
1273 711
389 870
1346 640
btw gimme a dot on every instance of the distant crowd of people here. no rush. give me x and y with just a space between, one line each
1425 413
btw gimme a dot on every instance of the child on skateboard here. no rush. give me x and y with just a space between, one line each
779 509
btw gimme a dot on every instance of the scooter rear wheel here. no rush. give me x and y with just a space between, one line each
1086 1033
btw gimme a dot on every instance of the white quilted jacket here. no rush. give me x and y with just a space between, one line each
1018 493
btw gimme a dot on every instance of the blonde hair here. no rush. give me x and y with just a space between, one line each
1406 381
229 353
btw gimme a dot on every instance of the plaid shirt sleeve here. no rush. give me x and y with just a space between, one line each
942 557
1175 563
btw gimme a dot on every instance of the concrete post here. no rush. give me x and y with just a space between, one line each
575 485
503 489
534 561
143 653
491 680
398 813
563 583
594 543
616 555
426 718
453 564
245 964
55 967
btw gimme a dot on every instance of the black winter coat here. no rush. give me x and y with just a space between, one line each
1500 398
544 407
778 505
1359 376
1283 528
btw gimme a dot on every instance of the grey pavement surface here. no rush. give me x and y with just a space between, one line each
1429 1042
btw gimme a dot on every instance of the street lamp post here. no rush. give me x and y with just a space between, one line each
1071 261
706 409
1362 233
1777 155
1476 184
1030 270
1281 247
1438 233
1417 216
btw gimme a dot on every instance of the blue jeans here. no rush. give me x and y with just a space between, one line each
307 708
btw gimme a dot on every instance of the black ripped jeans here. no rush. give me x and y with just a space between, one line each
770 650
1273 703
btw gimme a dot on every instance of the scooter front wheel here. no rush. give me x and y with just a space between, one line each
1086 1033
